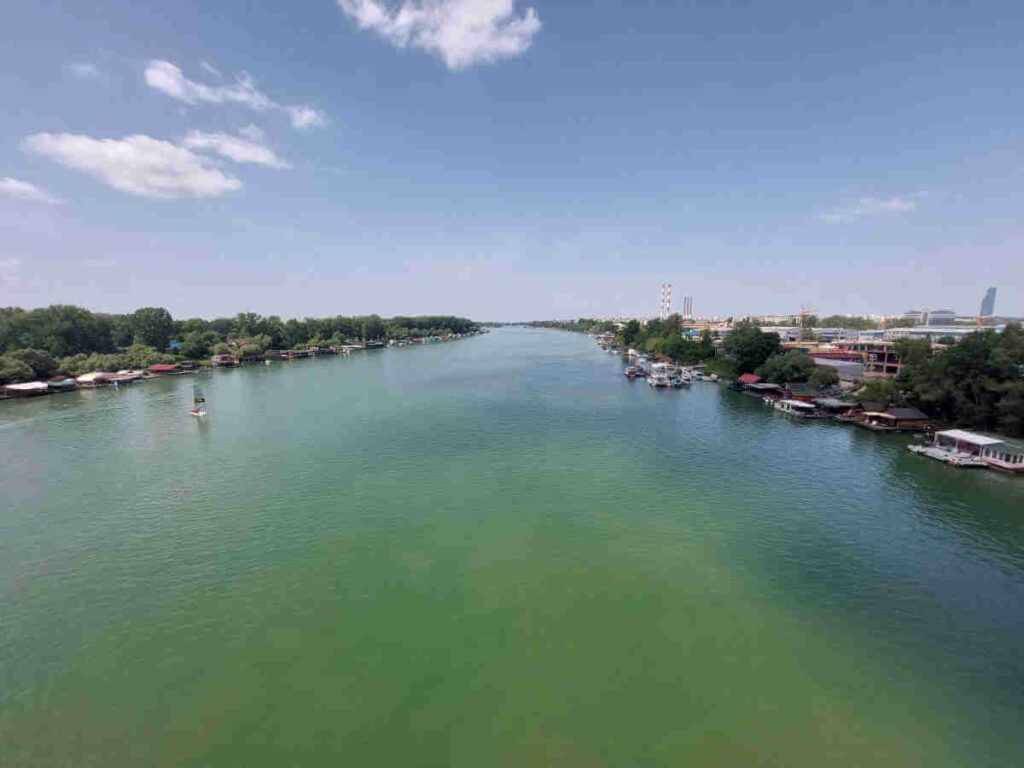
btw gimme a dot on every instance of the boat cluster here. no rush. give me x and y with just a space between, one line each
662 375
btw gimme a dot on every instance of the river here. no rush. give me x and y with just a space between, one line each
495 551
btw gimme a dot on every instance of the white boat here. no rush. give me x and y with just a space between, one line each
661 375
797 408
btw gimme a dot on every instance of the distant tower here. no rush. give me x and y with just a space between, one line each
988 304
688 307
668 301
661 304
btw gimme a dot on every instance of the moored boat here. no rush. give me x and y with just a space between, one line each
797 408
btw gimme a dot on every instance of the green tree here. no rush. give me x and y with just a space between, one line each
372 328
221 349
878 390
43 366
853 323
142 356
824 376
791 366
197 344
630 333
246 324
152 327
748 347
707 345
14 371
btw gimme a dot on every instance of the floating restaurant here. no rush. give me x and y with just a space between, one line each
991 450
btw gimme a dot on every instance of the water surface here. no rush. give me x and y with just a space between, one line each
496 551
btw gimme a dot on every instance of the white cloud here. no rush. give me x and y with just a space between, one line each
252 132
23 190
870 206
138 164
236 148
166 77
84 71
305 118
9 263
461 32
210 69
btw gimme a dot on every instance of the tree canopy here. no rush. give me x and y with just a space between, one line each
978 382
37 343
748 347
794 365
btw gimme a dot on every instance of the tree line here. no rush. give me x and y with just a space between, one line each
852 322
580 325
39 343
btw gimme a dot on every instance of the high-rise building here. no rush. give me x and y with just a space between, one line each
988 304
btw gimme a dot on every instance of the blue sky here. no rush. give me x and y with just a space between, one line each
505 161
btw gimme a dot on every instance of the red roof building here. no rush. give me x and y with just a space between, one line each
749 378
164 368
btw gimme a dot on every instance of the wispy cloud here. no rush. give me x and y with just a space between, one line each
237 148
169 79
85 71
253 133
870 206
24 190
138 164
210 69
305 118
461 32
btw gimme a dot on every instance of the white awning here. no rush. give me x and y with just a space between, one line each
964 436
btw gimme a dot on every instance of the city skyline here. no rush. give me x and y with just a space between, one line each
540 163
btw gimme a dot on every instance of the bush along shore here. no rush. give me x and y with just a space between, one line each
50 349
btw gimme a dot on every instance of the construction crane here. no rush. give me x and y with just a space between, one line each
804 312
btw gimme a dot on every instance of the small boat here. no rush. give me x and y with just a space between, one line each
198 403
681 381
797 408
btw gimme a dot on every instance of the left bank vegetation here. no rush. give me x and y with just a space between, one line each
69 340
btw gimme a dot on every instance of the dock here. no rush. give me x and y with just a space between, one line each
953 458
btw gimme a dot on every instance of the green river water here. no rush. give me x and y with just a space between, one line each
492 552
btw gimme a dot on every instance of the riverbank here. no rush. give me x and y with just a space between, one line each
94 379
957 448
